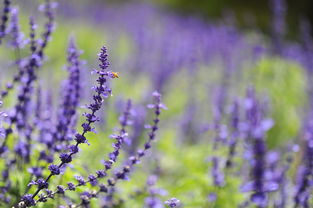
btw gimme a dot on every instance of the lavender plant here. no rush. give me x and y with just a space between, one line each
27 129
53 155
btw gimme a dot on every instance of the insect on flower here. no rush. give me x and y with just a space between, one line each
114 75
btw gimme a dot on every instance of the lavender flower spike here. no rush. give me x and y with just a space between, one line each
4 18
259 196
123 174
235 134
93 179
305 173
217 175
14 30
17 43
260 185
102 91
70 98
2 114
47 8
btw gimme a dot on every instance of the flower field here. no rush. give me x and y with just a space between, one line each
132 105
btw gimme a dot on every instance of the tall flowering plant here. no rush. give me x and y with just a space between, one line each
29 132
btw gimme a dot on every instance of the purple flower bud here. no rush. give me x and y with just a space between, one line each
28 200
73 149
101 173
86 127
54 169
217 175
71 186
108 164
92 180
4 19
103 188
42 184
212 197
85 197
80 138
65 158
81 181
103 58
173 202
60 189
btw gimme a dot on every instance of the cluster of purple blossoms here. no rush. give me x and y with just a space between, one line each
153 200
101 91
42 137
17 42
173 202
305 172
66 121
2 115
243 132
108 164
255 128
44 143
26 77
16 36
4 18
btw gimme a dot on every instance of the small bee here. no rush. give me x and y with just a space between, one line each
115 74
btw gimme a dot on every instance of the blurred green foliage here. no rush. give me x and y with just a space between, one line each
285 84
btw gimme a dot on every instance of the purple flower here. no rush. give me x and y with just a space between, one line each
92 180
2 130
305 171
123 174
73 149
32 35
103 188
42 184
21 149
108 164
212 197
28 200
138 117
54 169
81 181
4 18
217 175
85 197
65 158
71 96
257 127
71 186
47 8
14 30
103 58
19 115
36 171
60 190
80 138
153 202
173 202
235 134
124 119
